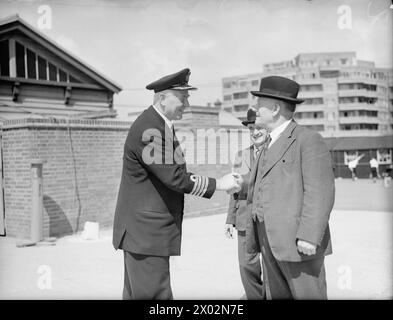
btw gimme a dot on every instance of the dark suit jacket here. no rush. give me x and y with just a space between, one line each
149 210
237 210
295 193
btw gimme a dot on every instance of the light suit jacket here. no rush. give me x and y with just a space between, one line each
294 192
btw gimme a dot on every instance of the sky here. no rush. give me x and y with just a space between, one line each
134 42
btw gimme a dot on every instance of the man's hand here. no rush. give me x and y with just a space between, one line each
229 231
306 247
230 183
239 181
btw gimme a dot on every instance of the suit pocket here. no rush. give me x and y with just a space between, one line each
156 218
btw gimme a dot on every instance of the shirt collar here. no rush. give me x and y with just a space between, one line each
278 131
167 121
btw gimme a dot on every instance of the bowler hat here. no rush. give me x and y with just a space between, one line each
251 116
279 88
175 81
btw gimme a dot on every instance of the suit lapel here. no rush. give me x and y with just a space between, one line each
278 148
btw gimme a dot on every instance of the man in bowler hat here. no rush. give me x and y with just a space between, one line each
149 211
249 263
290 197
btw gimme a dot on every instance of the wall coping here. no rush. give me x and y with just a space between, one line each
88 124
63 123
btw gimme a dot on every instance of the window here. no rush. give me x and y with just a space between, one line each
367 100
20 60
344 61
359 126
240 95
359 113
227 97
31 72
384 156
309 115
241 107
255 82
32 66
73 80
318 127
311 87
62 76
42 69
227 85
313 101
347 99
330 74
52 72
4 59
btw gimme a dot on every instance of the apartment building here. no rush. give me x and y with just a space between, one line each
344 96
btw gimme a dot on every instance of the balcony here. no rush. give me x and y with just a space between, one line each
358 106
360 79
310 94
357 93
308 81
358 119
358 133
310 107
310 121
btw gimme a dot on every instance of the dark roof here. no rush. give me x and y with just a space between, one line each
359 143
17 23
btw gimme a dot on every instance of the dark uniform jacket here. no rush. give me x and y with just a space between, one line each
149 210
292 189
237 210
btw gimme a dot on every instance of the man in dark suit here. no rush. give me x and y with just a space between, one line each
290 197
249 264
149 210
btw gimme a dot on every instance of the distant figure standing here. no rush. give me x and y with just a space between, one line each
352 166
374 169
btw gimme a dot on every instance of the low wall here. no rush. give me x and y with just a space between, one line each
81 173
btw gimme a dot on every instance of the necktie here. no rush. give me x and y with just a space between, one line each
268 140
175 141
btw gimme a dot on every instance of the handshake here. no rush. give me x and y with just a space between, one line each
230 183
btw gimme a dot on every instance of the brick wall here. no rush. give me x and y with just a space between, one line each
81 173
17 181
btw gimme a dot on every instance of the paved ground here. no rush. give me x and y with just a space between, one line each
360 268
363 195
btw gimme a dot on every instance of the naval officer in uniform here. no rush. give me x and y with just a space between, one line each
149 211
